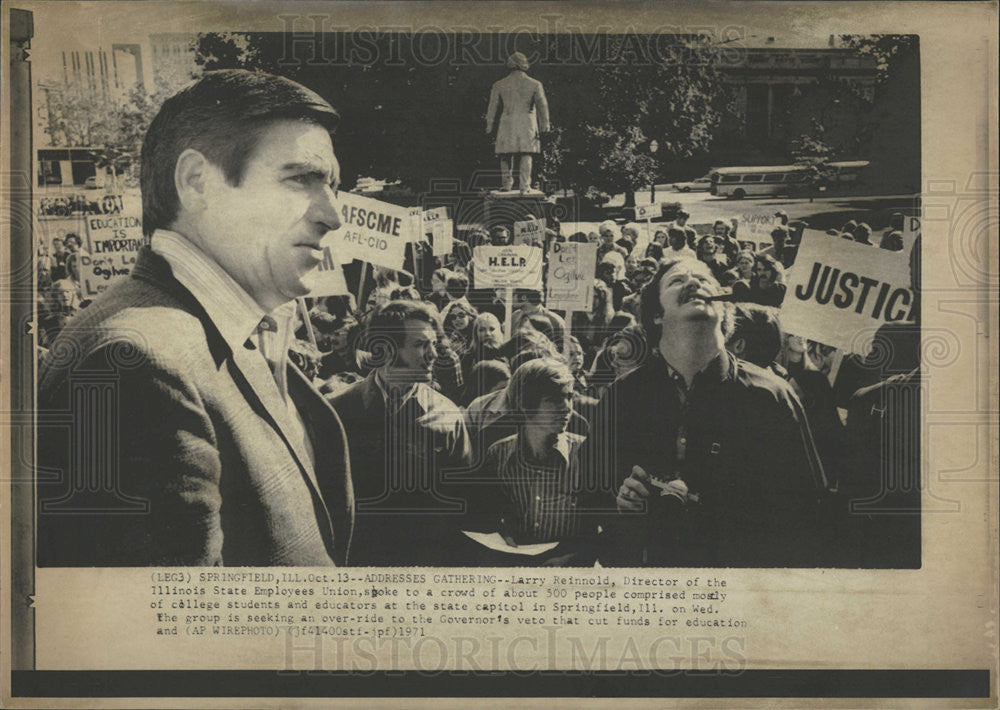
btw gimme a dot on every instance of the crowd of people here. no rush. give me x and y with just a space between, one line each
664 426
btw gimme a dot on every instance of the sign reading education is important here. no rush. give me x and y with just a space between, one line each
113 243
840 292
373 231
508 266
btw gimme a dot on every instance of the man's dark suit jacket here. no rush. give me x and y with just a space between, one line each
408 467
161 445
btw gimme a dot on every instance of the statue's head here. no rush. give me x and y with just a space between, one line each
518 61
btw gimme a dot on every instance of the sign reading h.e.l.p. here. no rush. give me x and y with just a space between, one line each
530 231
508 266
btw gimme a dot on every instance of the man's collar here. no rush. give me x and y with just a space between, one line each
720 368
380 386
561 446
233 311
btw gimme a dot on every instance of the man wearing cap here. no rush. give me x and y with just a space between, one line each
520 112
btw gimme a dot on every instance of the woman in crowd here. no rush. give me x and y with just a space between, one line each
458 320
574 357
743 271
591 326
487 339
622 351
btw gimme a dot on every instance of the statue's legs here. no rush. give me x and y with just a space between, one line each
524 171
506 171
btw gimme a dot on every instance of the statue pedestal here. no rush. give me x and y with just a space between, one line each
504 207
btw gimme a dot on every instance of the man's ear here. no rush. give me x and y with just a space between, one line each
737 346
190 179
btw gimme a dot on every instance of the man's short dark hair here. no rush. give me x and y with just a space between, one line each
650 308
457 285
535 380
691 236
223 115
675 233
760 329
387 328
531 295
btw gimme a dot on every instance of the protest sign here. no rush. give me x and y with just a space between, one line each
911 230
530 231
373 231
517 266
442 239
436 214
840 292
113 243
328 278
756 227
571 276
647 212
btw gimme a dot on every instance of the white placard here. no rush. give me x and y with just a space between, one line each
530 232
113 243
442 233
570 282
373 231
514 266
840 292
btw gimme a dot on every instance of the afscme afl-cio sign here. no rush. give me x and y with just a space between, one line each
373 231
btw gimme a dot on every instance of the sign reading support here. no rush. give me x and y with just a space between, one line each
113 243
442 234
571 276
508 266
756 227
530 232
373 231
840 292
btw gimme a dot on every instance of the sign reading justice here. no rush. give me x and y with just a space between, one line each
840 292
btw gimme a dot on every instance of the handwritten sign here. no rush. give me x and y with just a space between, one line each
840 292
647 212
442 232
756 227
530 231
113 243
911 230
571 276
373 231
516 266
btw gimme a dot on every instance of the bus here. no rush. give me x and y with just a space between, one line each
737 183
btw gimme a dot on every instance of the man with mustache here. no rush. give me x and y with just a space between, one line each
709 457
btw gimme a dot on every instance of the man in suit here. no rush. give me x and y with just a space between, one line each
174 430
519 110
